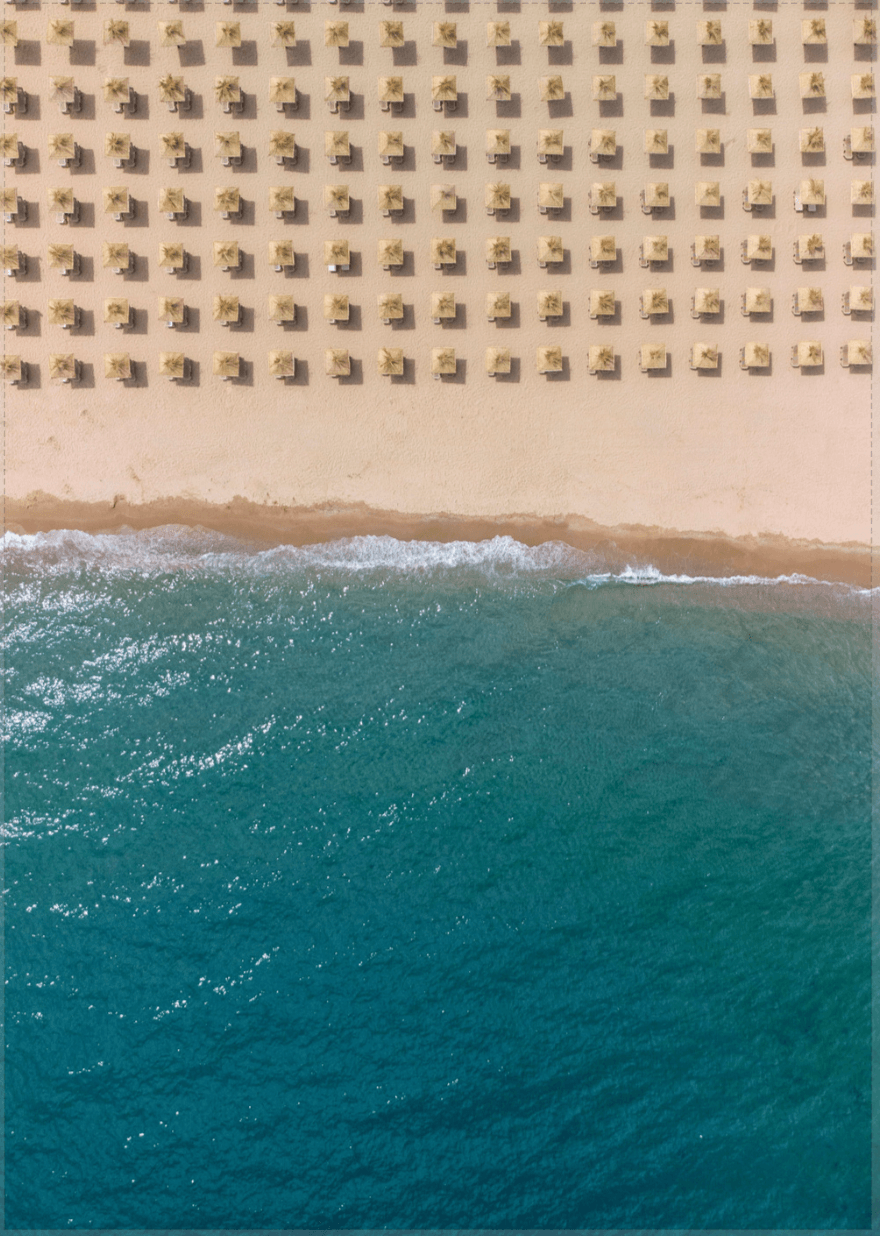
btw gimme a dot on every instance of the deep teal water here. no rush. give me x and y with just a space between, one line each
429 887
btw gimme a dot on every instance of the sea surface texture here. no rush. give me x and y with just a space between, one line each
385 885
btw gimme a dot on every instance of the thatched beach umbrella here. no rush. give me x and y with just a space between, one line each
864 31
172 309
497 197
390 306
336 34
707 193
656 86
445 34
603 249
443 251
811 141
12 260
550 304
652 356
389 253
810 247
861 245
657 33
707 300
172 201
227 200
62 312
552 34
604 34
443 361
282 90
442 306
227 34
498 250
810 300
390 198
707 248
117 90
759 192
812 192
337 253
861 193
171 255
61 146
551 144
336 199
760 141
497 361
444 88
61 257
709 86
655 301
227 89
117 311
760 32
498 87
226 254
389 362
171 89
551 89
226 365
117 365
758 300
172 365
812 85
337 90
761 86
603 303
62 366
282 200
862 139
603 143
11 367
117 200
337 363
390 144
173 145
337 307
391 34
709 33
227 144
171 34
605 88
859 352
656 141
602 358
282 308
59 33
704 356
226 309
657 194
11 315
498 34
498 305
9 33
118 146
443 144
759 248
708 141
282 364
443 198
756 356
9 200
62 90
281 253
813 30
809 354
336 144
551 196
61 200
282 34
116 31
655 249
549 359
550 250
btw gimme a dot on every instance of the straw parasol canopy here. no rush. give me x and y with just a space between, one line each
759 192
657 33
171 89
391 143
62 366
227 145
656 141
390 197
11 257
812 85
227 200
282 199
336 34
9 200
498 305
704 356
391 34
171 34
760 141
172 364
59 33
336 144
759 248
282 89
498 87
390 89
116 31
498 249
756 356
862 245
656 86
336 253
337 89
603 302
605 88
862 86
707 193
760 31
498 34
61 257
550 249
809 354
604 34
173 145
498 196
813 30
443 305
226 309
116 200
62 89
390 252
708 141
336 307
550 304
861 192
171 255
117 145
549 359
603 249
812 141
655 248
9 33
810 300
172 201
171 309
862 139
115 255
62 313
226 364
116 90
758 300
281 253
707 300
812 192
226 253
117 365
864 30
61 145
12 367
389 362
707 248
227 34
444 88
337 363
551 89
655 300
761 86
445 34
709 86
443 361
810 247
657 194
443 142
282 308
390 305
653 355
116 310
61 200
859 352
11 313
552 34
551 195
282 33
498 360
551 142
709 33
443 197
227 88
336 198
603 142
601 358
443 251
282 364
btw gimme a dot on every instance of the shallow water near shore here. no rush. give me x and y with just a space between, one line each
383 884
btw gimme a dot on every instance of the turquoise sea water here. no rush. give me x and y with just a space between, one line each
382 885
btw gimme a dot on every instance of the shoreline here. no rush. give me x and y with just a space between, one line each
670 551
